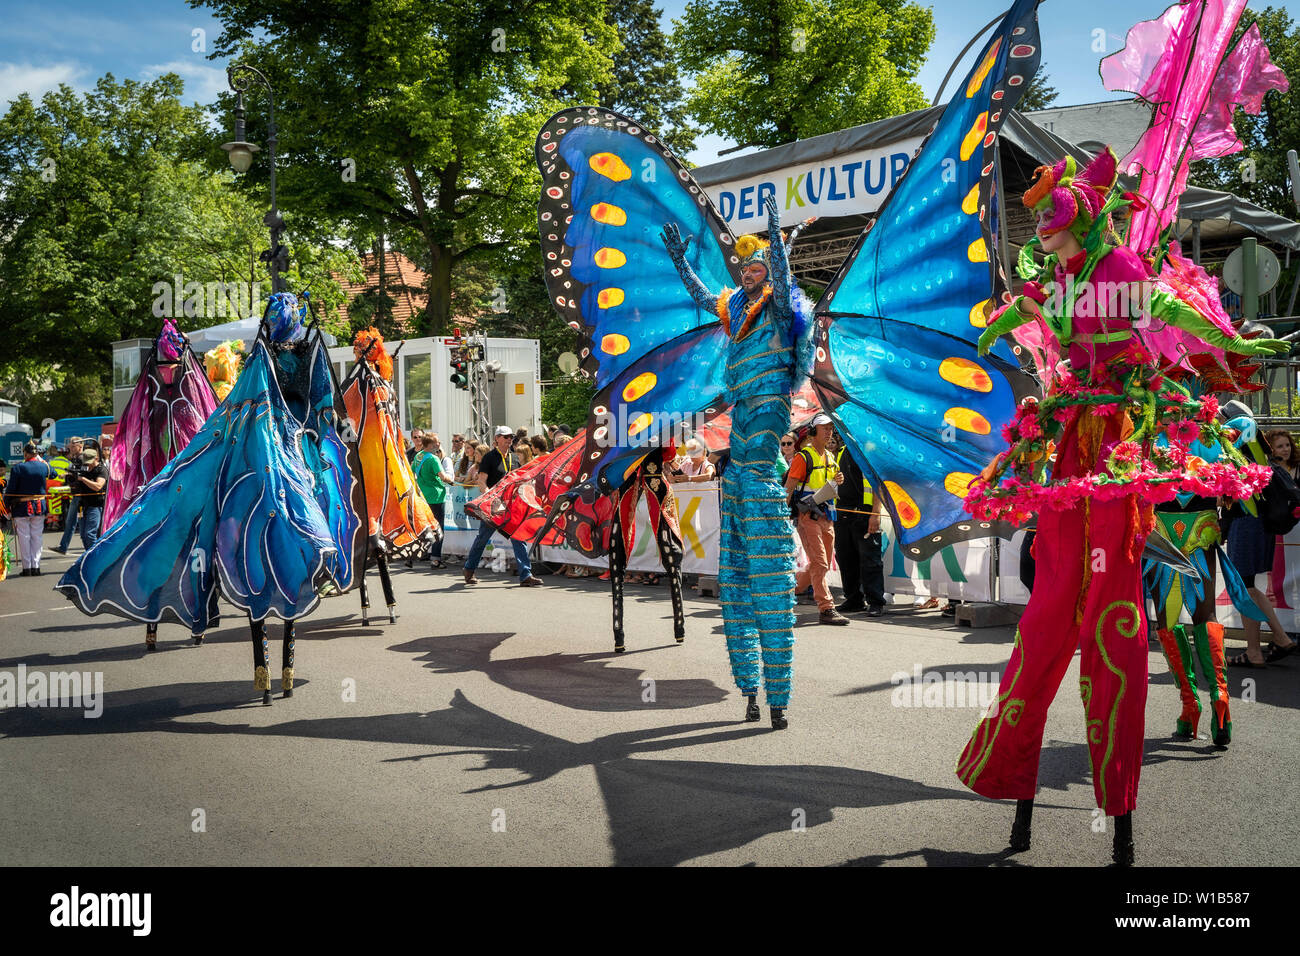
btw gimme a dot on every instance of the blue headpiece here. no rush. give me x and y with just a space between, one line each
283 317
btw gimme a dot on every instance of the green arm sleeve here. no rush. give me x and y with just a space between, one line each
1012 318
1172 310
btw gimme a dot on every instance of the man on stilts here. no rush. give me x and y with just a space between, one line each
769 354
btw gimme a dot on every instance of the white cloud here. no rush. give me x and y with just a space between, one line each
18 78
202 82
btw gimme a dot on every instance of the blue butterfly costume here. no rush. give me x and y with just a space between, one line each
659 356
258 508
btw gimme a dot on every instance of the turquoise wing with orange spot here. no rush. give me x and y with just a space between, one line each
911 300
923 418
608 188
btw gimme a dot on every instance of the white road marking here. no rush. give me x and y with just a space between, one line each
17 614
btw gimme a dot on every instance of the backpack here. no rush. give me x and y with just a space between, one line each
1278 502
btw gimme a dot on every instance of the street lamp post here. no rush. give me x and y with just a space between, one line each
241 153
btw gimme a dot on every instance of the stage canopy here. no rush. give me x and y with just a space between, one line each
843 177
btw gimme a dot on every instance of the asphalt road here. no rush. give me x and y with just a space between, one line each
494 726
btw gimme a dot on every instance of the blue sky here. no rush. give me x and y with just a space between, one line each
77 41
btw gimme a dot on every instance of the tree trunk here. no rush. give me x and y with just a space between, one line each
437 313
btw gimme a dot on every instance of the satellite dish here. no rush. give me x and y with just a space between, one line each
568 363
1266 265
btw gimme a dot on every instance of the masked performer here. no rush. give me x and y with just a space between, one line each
1191 523
1101 415
171 401
257 509
769 354
222 365
398 519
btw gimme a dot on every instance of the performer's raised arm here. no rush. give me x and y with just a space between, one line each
677 246
778 263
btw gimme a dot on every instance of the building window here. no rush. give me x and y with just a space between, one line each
417 387
126 367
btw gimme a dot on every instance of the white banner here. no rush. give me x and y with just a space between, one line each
845 185
697 506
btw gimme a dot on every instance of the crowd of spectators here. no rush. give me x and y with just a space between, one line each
845 524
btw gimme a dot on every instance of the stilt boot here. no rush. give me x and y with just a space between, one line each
1178 653
1209 648
151 637
1020 830
752 712
1122 851
778 719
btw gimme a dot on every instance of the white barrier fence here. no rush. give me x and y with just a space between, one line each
960 572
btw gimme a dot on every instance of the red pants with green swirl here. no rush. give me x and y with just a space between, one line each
1087 595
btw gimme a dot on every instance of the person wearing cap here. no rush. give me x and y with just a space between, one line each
694 464
87 484
28 504
768 322
813 468
73 504
492 469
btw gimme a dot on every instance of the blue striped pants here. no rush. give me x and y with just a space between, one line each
756 557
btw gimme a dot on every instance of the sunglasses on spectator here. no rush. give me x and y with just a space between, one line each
787 443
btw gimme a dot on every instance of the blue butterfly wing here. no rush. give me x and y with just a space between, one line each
333 465
928 263
641 407
235 514
609 186
924 418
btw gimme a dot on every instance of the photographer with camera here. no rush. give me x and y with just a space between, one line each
70 505
87 478
812 482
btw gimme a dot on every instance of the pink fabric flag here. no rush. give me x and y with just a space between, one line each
1181 63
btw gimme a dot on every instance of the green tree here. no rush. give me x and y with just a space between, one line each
646 83
107 222
420 116
517 304
1259 172
1038 94
567 402
769 72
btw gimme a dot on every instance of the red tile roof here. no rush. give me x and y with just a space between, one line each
404 282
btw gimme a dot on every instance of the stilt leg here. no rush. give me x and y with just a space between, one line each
286 661
387 583
1122 851
365 598
670 556
151 637
1020 830
261 676
617 571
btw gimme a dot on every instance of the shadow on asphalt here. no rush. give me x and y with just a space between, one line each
661 812
933 857
172 637
592 681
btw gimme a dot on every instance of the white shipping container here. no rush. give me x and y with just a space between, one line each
427 399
